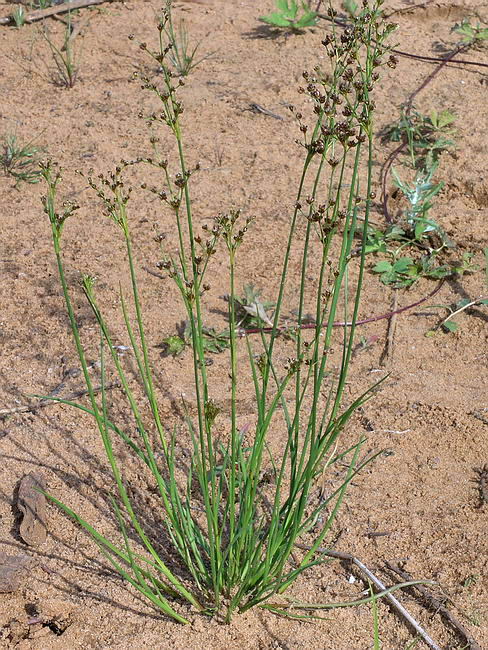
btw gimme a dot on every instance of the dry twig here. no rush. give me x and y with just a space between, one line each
436 605
388 353
483 484
409 9
26 408
40 14
347 557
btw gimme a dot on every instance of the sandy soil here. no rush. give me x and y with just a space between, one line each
423 494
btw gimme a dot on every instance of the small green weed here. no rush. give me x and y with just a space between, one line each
425 138
212 340
412 644
424 135
399 273
472 36
250 312
19 14
419 196
415 230
173 345
474 615
402 272
470 580
376 620
43 4
291 15
377 239
21 161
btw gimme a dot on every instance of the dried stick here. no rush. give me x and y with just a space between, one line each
436 605
33 16
483 482
478 416
408 9
76 29
376 581
472 303
45 402
391 329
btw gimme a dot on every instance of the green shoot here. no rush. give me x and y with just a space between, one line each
18 16
376 620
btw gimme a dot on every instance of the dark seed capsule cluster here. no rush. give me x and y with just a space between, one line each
342 101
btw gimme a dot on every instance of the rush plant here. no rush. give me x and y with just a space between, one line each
65 57
233 522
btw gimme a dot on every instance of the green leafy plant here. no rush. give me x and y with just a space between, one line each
174 345
424 137
419 196
400 272
21 161
291 15
212 340
414 643
377 239
415 230
181 55
450 325
472 35
230 532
